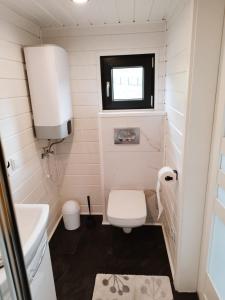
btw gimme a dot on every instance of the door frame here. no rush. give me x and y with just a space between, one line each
214 165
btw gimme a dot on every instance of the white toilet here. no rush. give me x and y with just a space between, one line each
127 209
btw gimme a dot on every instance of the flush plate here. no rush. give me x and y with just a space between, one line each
127 136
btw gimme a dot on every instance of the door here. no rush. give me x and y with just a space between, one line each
212 268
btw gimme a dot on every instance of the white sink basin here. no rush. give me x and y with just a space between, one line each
32 221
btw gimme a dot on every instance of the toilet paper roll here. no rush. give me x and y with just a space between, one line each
163 174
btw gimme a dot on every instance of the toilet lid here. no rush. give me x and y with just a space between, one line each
126 204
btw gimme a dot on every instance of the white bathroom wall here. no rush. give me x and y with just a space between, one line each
28 183
178 53
81 155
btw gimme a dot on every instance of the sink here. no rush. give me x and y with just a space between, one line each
32 221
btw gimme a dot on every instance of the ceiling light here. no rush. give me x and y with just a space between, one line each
80 1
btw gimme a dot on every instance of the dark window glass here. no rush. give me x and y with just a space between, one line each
128 81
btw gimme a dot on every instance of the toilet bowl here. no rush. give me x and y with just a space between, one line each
127 209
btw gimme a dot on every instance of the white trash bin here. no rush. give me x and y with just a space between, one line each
71 215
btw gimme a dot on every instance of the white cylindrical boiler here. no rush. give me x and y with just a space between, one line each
49 84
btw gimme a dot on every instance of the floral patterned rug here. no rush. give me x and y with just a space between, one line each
132 287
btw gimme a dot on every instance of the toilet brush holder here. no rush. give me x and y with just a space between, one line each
90 221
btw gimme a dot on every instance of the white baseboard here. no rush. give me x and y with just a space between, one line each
146 224
54 228
168 252
93 213
153 224
201 296
105 223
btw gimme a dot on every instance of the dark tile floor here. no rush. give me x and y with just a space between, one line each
77 256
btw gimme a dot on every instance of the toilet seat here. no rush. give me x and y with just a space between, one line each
127 208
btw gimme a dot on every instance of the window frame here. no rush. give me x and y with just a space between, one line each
147 61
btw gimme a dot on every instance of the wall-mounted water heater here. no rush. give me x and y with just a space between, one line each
49 83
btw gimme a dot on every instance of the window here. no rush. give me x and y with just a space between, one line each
128 81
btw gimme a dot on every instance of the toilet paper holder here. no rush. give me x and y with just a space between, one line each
169 178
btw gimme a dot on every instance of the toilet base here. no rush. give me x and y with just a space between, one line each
127 230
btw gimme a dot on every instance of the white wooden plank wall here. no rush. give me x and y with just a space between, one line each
28 183
80 155
176 94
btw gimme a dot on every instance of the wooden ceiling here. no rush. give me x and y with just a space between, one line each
54 13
